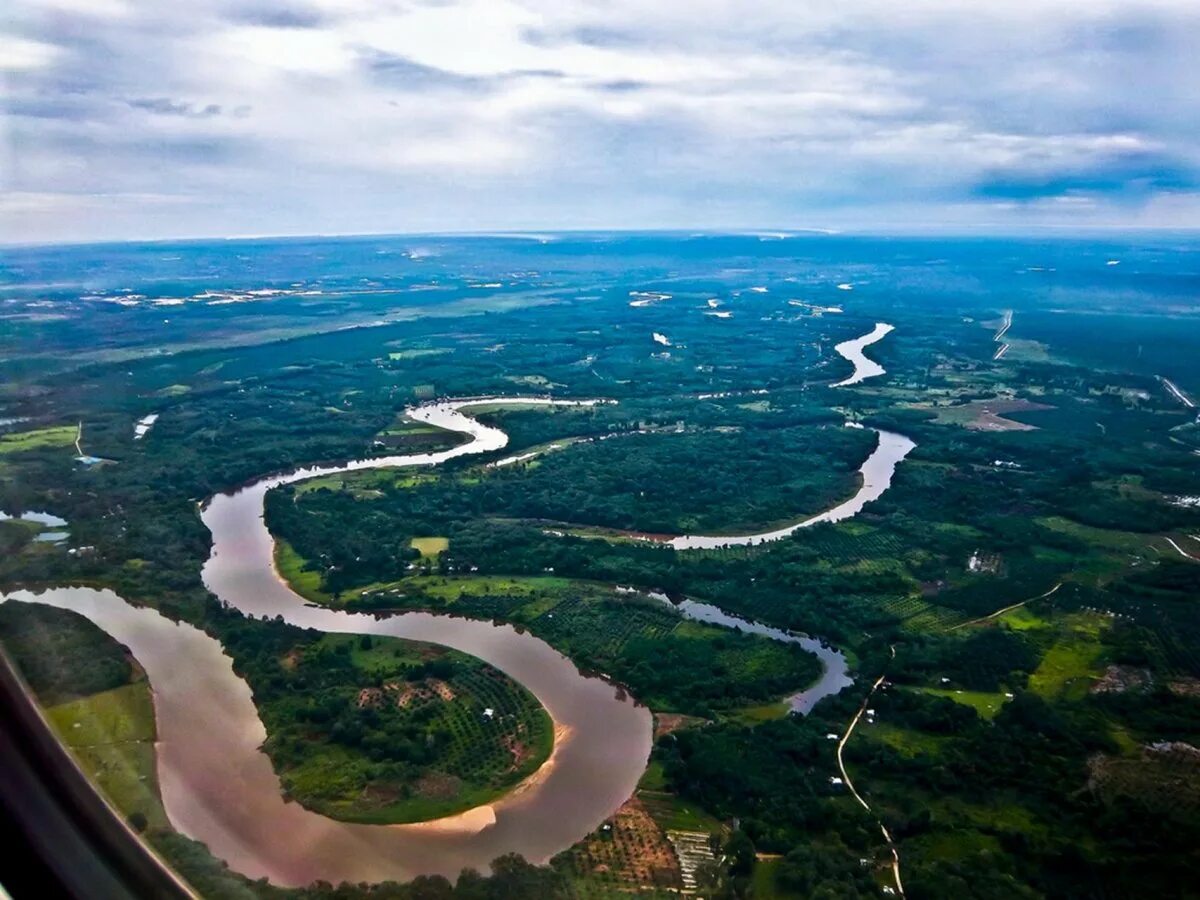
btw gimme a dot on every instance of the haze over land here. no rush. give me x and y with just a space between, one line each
157 119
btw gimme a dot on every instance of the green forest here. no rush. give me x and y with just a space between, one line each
1023 592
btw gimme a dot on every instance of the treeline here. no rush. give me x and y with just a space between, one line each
667 483
61 655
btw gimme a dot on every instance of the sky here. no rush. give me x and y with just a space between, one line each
128 119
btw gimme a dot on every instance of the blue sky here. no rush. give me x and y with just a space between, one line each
145 118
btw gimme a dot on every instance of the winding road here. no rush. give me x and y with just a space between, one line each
854 791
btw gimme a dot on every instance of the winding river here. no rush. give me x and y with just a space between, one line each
835 671
219 787
852 350
876 473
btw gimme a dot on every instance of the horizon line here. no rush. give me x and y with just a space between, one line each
768 233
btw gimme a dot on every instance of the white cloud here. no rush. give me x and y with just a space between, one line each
566 112
20 53
255 51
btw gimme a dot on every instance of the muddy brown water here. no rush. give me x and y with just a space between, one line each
218 786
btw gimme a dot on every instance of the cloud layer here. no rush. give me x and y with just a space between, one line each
216 117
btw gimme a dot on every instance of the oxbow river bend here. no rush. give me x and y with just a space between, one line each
219 787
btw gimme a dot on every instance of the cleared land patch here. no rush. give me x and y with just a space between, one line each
1073 662
38 439
627 854
986 703
112 736
430 547
985 415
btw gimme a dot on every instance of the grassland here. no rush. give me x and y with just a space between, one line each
96 700
408 436
765 884
986 703
112 735
292 568
911 742
675 814
38 439
1073 662
430 547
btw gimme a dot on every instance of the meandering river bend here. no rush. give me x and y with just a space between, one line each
219 787
852 350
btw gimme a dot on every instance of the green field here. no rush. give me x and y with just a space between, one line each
985 703
673 814
765 885
112 735
38 439
1072 662
430 547
291 567
95 699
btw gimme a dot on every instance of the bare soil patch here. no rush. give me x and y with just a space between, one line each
987 415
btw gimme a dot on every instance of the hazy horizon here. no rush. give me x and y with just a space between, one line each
547 235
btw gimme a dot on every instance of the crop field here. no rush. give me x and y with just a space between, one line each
673 814
406 436
854 543
430 547
918 615
628 854
618 622
987 415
